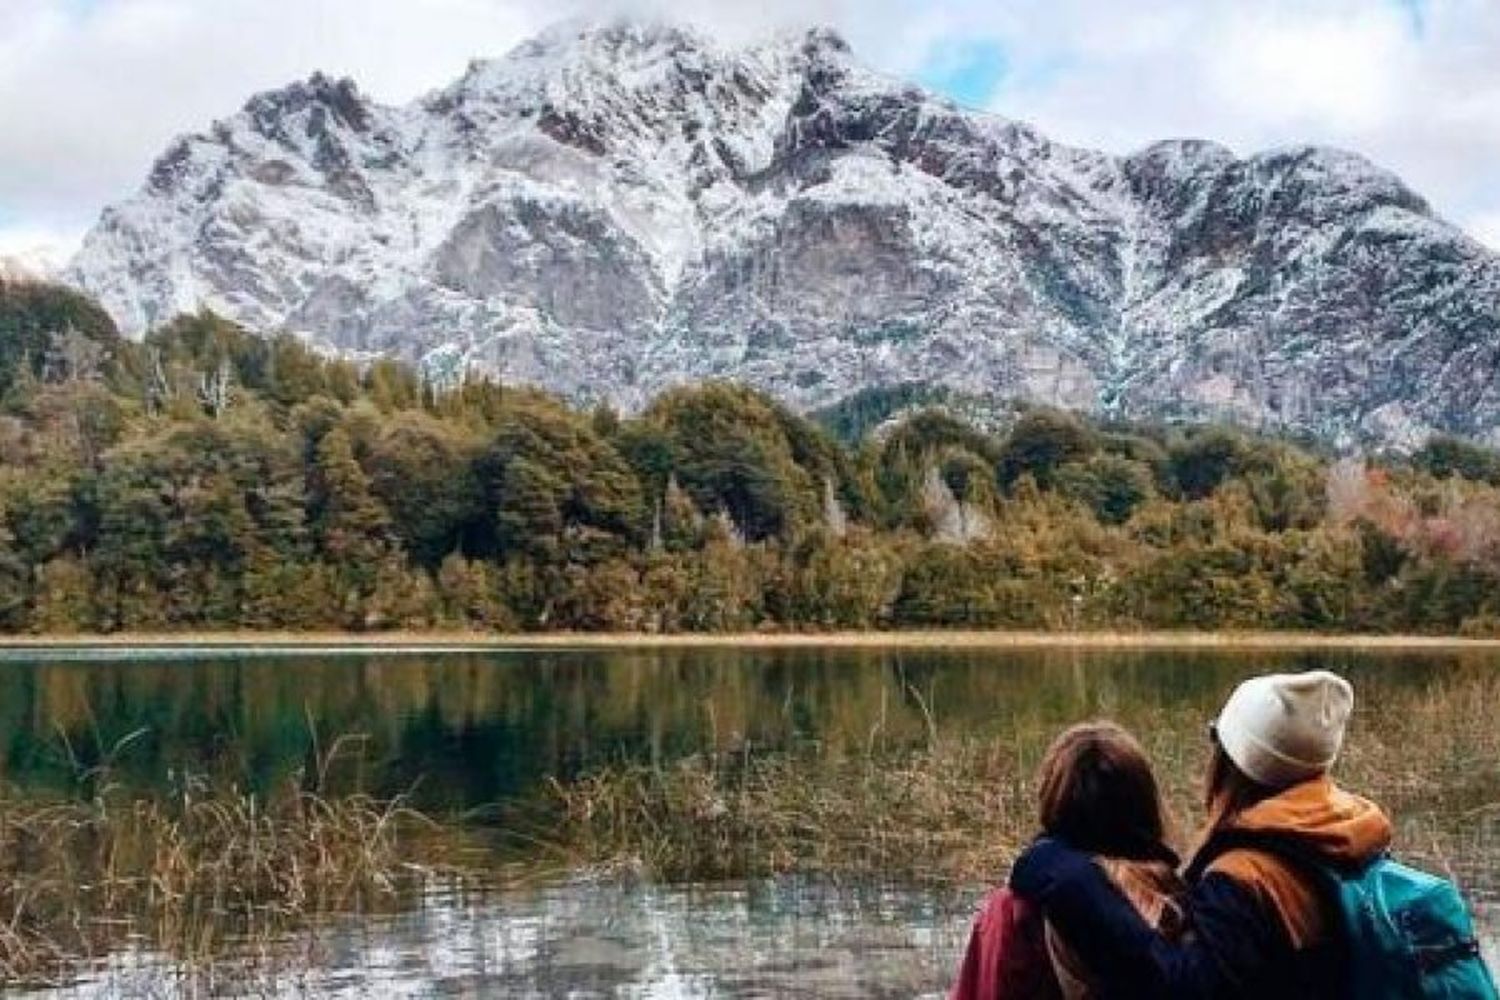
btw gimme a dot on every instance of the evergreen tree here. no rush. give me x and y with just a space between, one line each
1041 442
351 529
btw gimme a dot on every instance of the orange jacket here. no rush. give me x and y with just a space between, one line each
1325 819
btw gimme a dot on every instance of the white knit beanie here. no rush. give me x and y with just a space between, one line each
1282 729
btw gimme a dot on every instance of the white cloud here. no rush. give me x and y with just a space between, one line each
1351 73
1486 228
94 89
32 250
91 98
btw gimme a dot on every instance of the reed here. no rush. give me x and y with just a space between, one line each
193 876
956 808
709 817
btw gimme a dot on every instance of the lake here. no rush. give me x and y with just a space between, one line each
475 737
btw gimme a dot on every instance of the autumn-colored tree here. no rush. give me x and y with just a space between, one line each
63 599
207 476
469 594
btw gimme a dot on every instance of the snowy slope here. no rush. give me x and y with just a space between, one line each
615 208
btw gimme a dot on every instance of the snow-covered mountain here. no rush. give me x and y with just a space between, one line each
611 209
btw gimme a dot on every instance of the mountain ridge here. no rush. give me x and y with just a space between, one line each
612 209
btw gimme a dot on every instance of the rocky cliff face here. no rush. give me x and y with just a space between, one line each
609 210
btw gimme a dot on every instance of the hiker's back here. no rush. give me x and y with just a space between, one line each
1261 873
1311 962
1153 888
1376 931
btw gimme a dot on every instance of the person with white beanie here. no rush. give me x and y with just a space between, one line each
1281 729
1260 927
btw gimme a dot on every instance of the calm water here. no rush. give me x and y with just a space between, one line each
477 733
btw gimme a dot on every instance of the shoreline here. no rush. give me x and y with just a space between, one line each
442 641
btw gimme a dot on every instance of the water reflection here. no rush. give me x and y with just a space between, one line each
785 938
467 730
788 938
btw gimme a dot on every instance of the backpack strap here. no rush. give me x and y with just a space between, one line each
1432 957
1280 846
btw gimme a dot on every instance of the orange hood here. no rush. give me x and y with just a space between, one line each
1338 825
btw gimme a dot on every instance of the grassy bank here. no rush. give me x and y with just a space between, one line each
932 639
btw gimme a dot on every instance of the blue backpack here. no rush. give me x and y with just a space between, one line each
1407 935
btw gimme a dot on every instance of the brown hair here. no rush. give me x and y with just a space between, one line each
1228 791
1096 790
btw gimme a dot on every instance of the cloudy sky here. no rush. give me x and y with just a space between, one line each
92 90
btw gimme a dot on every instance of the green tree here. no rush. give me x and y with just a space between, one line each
423 472
1040 443
736 452
33 314
14 582
1113 488
1445 456
351 530
558 492
944 585
1202 462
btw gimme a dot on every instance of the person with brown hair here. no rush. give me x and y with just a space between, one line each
1261 926
1096 791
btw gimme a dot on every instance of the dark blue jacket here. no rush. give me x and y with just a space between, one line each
1235 949
1257 929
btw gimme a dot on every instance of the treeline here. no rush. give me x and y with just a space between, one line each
209 478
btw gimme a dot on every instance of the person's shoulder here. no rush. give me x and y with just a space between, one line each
1279 886
1248 866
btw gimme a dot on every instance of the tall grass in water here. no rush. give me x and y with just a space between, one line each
192 876
955 808
710 817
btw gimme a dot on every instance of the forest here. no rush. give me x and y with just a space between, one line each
210 478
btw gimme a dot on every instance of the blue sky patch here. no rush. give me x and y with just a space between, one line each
1416 10
82 8
970 72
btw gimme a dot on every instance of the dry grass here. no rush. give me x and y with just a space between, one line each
192 877
706 818
956 809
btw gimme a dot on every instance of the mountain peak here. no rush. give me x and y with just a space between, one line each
615 33
617 206
823 38
319 94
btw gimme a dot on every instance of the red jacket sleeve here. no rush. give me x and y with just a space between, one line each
1007 957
